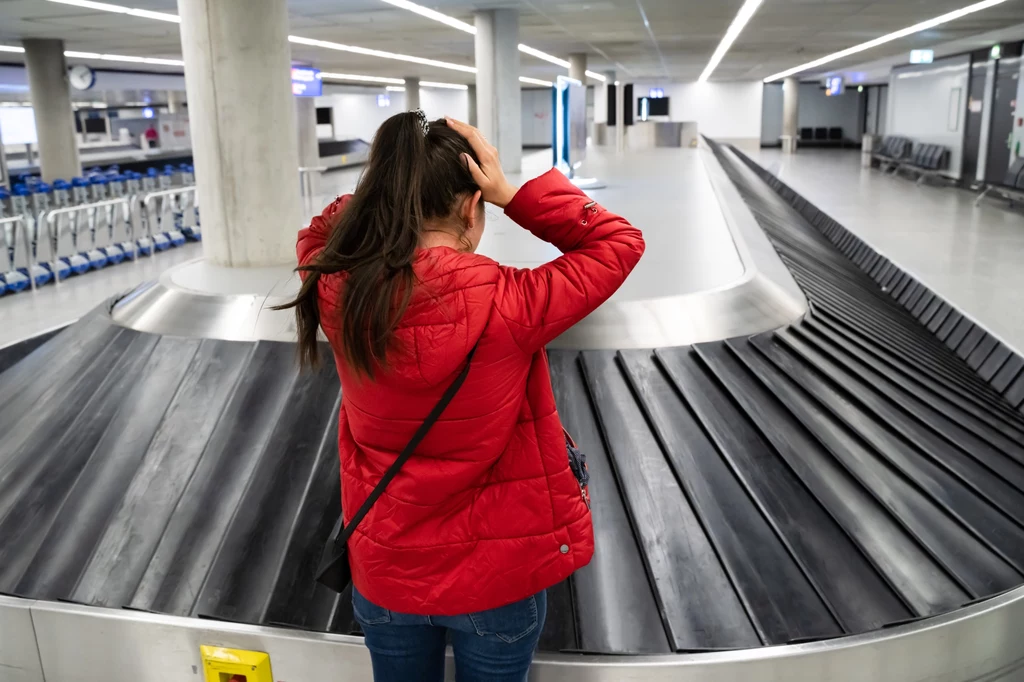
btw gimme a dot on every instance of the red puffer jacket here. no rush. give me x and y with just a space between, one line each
487 512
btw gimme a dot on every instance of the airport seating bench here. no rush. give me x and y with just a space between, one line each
1012 187
892 152
926 160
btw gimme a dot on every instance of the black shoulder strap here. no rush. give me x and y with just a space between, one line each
392 471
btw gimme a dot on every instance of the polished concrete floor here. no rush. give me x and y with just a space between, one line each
664 192
971 256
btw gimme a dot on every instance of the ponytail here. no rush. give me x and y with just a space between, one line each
414 172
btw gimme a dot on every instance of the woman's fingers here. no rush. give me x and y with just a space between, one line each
478 175
473 136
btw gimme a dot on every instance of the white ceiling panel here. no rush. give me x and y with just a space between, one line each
682 36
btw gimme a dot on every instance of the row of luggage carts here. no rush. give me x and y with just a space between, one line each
52 231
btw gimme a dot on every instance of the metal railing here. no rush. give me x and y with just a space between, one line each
87 236
306 179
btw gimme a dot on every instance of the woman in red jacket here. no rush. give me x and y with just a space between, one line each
487 513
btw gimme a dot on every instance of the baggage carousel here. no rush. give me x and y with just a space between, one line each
811 482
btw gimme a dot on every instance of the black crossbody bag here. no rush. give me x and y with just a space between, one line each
334 570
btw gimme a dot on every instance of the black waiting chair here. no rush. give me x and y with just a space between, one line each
807 134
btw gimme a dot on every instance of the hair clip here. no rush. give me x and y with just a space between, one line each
424 123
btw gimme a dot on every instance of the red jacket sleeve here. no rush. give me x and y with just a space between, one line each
312 239
600 250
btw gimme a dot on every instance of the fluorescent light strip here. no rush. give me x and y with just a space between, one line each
888 38
596 76
737 26
543 55
535 81
324 75
446 86
395 88
11 48
326 44
72 54
470 28
432 14
118 9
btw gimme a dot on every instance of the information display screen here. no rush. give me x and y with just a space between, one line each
18 125
306 82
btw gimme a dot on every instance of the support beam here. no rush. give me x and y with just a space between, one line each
242 117
51 104
499 105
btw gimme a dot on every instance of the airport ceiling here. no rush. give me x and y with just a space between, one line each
682 36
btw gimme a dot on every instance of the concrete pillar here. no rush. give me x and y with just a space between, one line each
620 117
471 113
412 93
790 115
242 118
51 103
309 149
499 105
578 67
175 102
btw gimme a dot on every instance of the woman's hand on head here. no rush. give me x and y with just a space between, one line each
488 174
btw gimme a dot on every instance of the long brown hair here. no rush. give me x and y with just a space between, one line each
414 173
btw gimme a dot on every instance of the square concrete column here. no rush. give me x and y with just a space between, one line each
499 106
412 93
471 117
51 104
790 114
578 67
244 140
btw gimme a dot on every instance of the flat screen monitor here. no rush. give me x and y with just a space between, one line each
306 82
95 125
323 116
651 106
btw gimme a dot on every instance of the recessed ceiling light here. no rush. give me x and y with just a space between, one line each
107 7
888 38
395 88
737 26
535 81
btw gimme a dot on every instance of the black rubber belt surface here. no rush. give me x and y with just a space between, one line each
846 473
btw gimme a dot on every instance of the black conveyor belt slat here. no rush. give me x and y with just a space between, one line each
55 466
259 377
14 353
240 584
29 444
923 585
698 604
97 490
978 570
832 558
615 605
781 602
913 376
135 529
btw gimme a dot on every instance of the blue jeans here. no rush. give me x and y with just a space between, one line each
495 645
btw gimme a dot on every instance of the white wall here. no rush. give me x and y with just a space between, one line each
928 103
816 110
356 114
725 111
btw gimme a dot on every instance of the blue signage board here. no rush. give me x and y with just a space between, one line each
306 82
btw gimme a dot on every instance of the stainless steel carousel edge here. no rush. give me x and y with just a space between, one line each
91 644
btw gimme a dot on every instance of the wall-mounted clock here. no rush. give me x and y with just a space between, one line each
82 77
